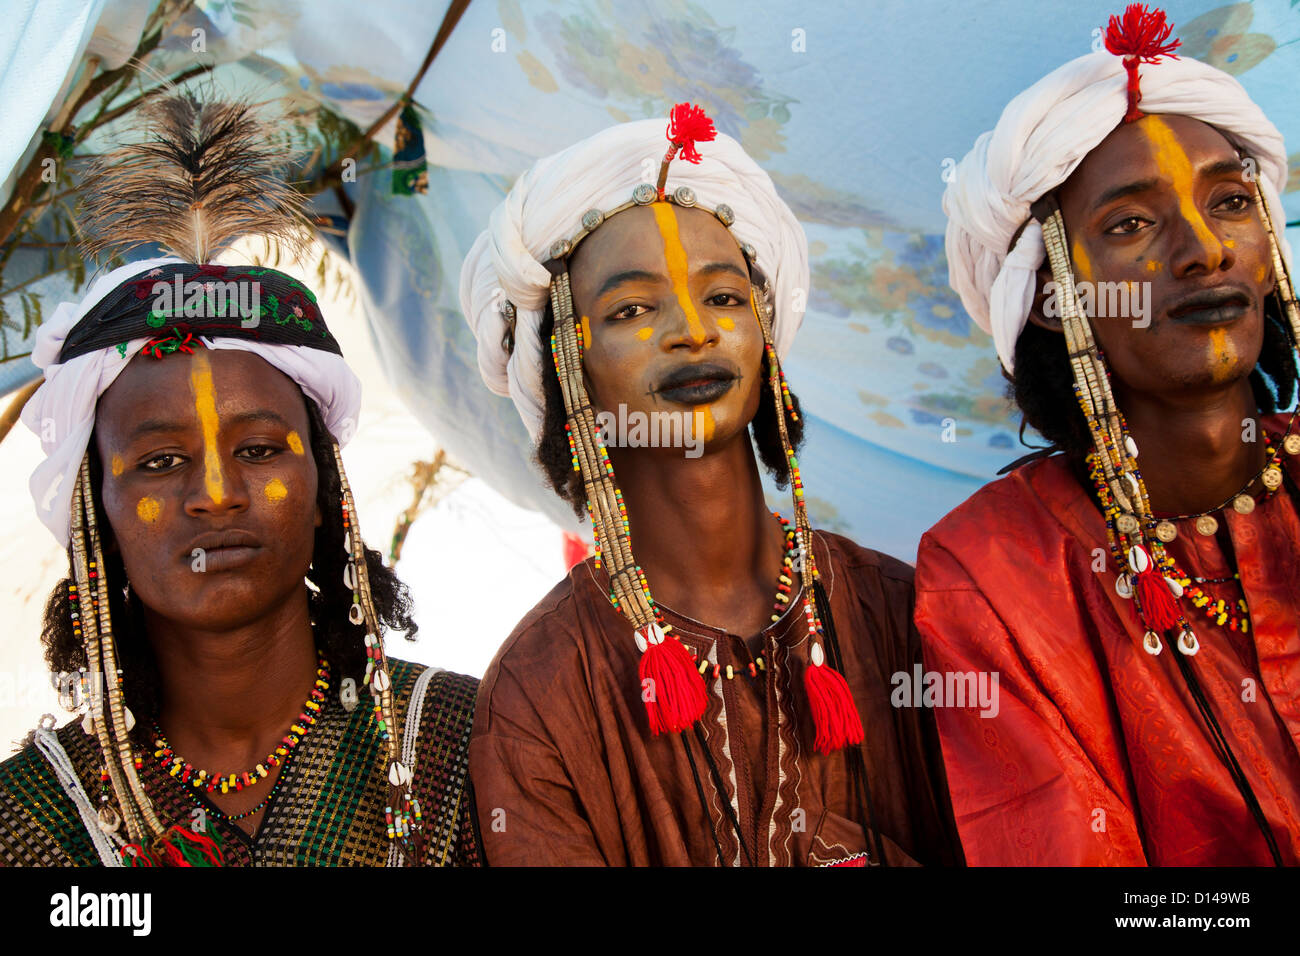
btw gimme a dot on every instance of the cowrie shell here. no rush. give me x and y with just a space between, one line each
398 773
1131 446
818 655
1151 643
1124 587
1175 587
380 682
1137 559
1188 644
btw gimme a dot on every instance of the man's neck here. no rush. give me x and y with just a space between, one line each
702 533
1196 450
229 696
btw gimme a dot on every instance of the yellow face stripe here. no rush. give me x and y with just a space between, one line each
1082 264
1223 353
275 490
118 465
205 404
585 325
147 509
1173 162
295 443
678 268
702 422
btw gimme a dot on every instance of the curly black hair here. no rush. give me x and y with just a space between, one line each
336 637
1042 386
556 461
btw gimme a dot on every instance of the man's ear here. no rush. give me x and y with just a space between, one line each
1038 311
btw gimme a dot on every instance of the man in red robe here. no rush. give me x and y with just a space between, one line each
1135 592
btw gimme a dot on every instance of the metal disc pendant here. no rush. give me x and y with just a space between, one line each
1151 643
1166 531
1188 644
1272 477
1292 444
1124 587
1206 525
1127 524
1243 504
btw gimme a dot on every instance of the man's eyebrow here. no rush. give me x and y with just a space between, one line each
254 416
1127 189
1222 167
155 425
711 267
629 275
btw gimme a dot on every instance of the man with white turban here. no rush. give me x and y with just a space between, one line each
694 704
1115 234
222 618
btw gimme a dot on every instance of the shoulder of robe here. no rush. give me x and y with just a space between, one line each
551 634
39 825
1017 505
852 557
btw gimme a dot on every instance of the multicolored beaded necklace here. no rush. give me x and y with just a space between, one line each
785 583
186 772
1220 611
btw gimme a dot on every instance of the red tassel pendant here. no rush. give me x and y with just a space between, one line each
671 687
1159 606
688 125
835 716
1139 36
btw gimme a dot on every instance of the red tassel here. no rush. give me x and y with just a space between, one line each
688 125
1159 606
834 714
134 855
203 850
671 687
1140 36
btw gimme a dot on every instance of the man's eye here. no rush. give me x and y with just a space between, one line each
160 462
259 452
627 312
1126 227
1237 203
723 299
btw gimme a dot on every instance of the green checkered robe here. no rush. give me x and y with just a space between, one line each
330 807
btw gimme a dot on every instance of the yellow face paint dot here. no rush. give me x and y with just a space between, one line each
678 268
1174 163
1260 273
275 490
148 509
205 404
1082 264
118 465
1154 266
1230 243
644 334
295 443
585 324
726 323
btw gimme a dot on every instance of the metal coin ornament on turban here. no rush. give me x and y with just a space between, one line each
1045 133
505 285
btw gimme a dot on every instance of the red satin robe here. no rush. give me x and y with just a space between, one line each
1097 754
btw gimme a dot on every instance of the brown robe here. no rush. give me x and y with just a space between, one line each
567 772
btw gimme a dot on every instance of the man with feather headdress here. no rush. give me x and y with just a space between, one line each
223 620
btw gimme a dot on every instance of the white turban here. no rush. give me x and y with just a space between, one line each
1042 137
547 202
62 412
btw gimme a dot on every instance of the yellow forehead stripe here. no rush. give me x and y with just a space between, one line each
675 256
1172 160
118 465
148 509
275 490
295 443
205 404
